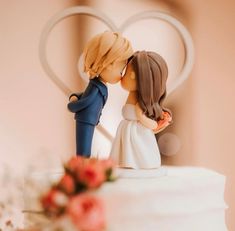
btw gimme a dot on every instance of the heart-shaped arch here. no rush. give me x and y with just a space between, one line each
82 10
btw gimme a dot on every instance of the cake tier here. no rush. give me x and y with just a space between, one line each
184 198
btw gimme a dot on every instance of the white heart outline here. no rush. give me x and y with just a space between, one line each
48 28
186 38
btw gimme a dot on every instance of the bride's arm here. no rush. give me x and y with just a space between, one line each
147 122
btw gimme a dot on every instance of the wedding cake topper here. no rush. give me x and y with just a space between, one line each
91 12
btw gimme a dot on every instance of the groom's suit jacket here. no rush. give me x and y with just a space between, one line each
88 107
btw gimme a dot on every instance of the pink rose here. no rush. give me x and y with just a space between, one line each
86 212
74 164
107 163
67 184
54 201
92 174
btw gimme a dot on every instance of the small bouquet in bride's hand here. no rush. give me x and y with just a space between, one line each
70 202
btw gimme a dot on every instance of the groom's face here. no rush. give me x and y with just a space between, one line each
113 73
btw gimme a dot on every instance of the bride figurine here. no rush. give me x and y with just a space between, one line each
135 144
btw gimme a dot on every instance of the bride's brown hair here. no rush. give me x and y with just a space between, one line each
151 74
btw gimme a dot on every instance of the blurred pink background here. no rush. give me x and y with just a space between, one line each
37 129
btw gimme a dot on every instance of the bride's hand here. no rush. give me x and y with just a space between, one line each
163 123
143 119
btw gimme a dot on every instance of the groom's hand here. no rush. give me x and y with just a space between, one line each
163 123
73 98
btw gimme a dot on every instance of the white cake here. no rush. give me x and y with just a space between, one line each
186 198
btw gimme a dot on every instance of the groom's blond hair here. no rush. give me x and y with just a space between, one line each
103 50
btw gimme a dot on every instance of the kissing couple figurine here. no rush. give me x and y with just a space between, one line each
106 56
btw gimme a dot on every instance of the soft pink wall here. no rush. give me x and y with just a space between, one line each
214 88
35 125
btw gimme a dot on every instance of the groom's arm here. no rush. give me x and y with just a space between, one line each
75 96
78 105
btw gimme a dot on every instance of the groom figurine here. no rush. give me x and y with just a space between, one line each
105 56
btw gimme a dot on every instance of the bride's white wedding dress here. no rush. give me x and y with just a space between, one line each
134 146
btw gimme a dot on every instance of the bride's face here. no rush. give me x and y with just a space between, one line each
128 81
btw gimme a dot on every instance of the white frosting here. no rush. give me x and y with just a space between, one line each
186 198
140 173
182 199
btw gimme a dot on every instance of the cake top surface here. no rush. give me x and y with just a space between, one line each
175 179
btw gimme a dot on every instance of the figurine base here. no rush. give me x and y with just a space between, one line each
140 173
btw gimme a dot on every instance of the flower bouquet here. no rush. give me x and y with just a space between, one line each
70 203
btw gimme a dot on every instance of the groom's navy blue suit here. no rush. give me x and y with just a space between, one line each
87 111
